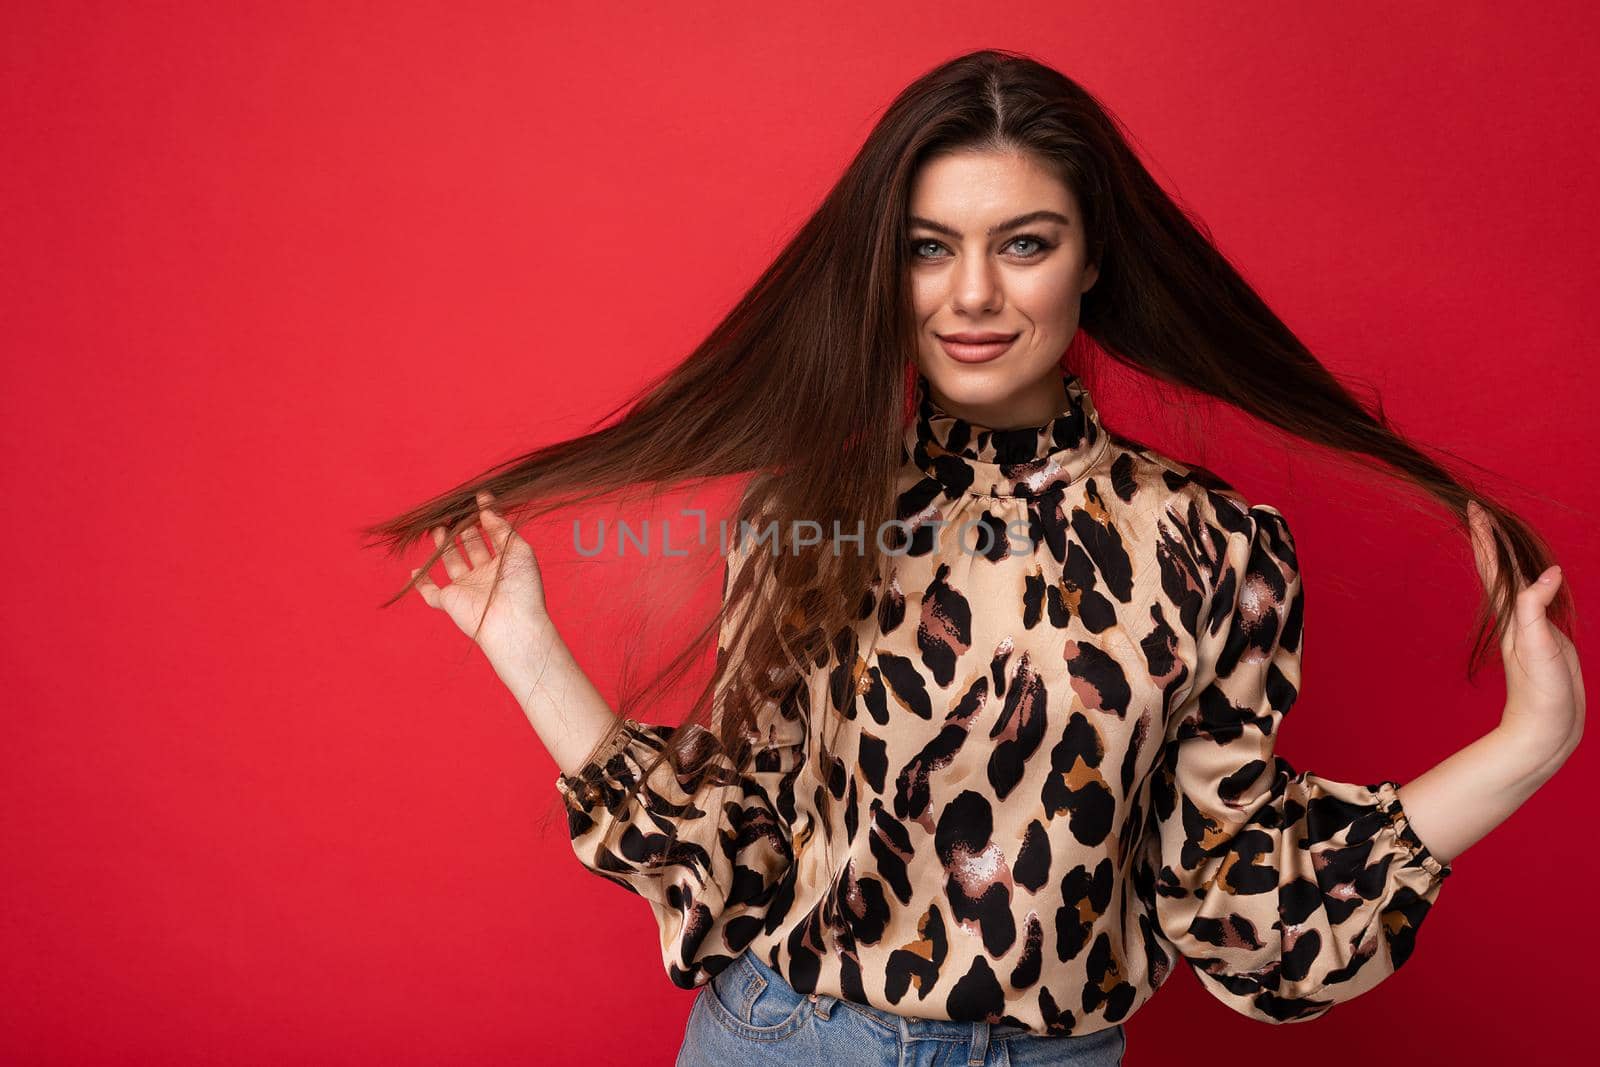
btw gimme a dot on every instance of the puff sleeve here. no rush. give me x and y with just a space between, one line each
1287 892
711 888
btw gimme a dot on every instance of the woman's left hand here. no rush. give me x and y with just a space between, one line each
1543 713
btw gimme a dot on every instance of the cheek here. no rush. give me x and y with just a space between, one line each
927 295
1049 301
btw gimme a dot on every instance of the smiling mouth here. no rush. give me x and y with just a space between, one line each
975 347
975 337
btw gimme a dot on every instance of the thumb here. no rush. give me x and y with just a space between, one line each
1540 593
494 524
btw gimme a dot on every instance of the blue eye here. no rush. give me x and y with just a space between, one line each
1043 245
1040 246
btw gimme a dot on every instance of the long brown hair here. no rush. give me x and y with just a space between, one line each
800 385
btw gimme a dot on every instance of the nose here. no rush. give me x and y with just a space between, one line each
975 288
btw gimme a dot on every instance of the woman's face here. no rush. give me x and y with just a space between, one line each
997 248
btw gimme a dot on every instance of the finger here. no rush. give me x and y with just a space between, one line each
486 504
1534 599
1533 631
454 566
426 588
1569 655
1575 669
1479 532
472 541
494 524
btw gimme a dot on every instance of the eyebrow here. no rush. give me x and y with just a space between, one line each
1009 224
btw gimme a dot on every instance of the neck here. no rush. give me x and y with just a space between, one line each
1031 404
1008 456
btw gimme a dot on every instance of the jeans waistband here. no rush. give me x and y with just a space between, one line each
909 1028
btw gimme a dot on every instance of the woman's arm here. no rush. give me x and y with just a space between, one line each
561 703
1456 803
709 883
1288 892
521 643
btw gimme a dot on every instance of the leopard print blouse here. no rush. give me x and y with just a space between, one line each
1058 771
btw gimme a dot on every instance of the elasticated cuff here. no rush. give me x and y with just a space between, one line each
1389 803
580 788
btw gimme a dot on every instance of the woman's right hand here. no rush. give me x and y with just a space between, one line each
516 616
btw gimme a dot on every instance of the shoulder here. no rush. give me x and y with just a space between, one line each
1182 488
1216 523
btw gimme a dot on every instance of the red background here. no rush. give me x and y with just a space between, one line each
274 271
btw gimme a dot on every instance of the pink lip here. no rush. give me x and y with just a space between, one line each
976 347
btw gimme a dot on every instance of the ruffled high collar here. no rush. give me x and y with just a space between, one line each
965 457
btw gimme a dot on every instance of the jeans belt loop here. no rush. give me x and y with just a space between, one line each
979 1049
822 1004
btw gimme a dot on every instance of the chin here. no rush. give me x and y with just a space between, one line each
977 382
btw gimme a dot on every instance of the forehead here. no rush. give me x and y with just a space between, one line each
973 187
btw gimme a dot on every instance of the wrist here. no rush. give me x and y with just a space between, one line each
522 654
1528 759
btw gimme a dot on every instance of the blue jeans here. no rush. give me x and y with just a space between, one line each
748 1016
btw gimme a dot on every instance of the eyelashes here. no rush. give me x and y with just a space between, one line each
1041 246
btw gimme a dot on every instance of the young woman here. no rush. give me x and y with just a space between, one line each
972 776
